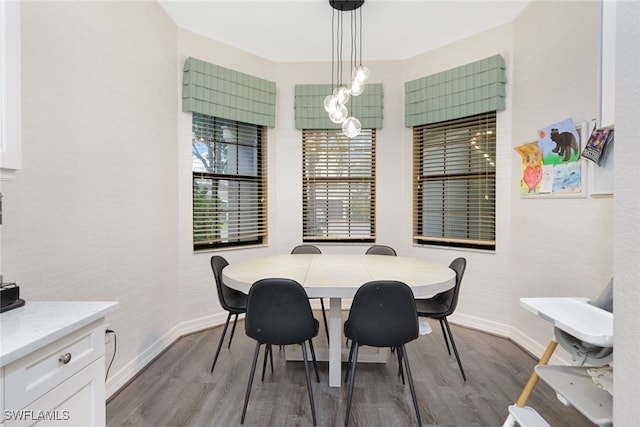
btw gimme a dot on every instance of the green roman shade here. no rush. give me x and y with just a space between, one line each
310 112
464 91
221 92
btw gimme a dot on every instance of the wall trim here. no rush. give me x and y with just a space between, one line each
118 380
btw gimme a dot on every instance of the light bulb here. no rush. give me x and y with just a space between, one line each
339 114
342 94
330 103
361 73
351 127
356 88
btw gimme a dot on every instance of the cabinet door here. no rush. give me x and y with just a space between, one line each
78 401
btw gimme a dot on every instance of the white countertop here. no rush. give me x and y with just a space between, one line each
38 323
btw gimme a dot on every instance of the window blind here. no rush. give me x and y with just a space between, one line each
338 186
229 184
474 88
454 182
221 92
310 112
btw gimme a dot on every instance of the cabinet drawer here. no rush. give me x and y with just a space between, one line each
32 376
78 401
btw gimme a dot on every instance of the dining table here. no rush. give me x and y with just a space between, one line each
338 277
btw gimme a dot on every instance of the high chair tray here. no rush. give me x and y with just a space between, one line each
576 317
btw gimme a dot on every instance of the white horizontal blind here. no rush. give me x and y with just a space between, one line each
229 184
454 182
338 185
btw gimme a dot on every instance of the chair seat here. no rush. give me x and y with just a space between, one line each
431 308
237 302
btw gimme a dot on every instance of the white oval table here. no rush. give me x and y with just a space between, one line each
339 276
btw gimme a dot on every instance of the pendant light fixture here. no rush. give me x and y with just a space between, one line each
336 103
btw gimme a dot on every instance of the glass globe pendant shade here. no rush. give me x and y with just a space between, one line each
361 73
330 103
351 127
356 88
342 93
339 114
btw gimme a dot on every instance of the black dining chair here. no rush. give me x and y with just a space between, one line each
279 313
381 250
312 249
382 314
442 305
233 301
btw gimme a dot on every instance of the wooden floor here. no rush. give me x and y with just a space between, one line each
178 390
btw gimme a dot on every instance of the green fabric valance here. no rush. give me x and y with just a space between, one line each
221 92
463 91
310 112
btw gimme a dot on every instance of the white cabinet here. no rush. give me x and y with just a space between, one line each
62 381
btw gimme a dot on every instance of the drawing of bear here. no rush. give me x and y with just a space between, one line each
565 142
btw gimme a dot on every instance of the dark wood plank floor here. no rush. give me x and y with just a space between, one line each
178 390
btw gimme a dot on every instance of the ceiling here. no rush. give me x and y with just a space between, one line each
300 30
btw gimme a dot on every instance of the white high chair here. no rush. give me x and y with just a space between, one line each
586 331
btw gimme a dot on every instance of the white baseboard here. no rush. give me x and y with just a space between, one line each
560 357
484 325
119 379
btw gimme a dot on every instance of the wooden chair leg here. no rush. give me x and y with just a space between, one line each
533 379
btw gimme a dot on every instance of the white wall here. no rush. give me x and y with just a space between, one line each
199 301
560 247
92 214
101 208
627 203
484 301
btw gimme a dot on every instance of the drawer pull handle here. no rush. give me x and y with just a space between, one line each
65 358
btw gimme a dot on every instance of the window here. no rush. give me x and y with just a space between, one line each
455 181
338 187
229 186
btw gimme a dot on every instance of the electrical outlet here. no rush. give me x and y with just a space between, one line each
107 335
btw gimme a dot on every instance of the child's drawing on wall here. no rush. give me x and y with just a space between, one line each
560 146
531 168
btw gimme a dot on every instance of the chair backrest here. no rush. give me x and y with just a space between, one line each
449 298
225 293
382 314
381 250
279 313
306 249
